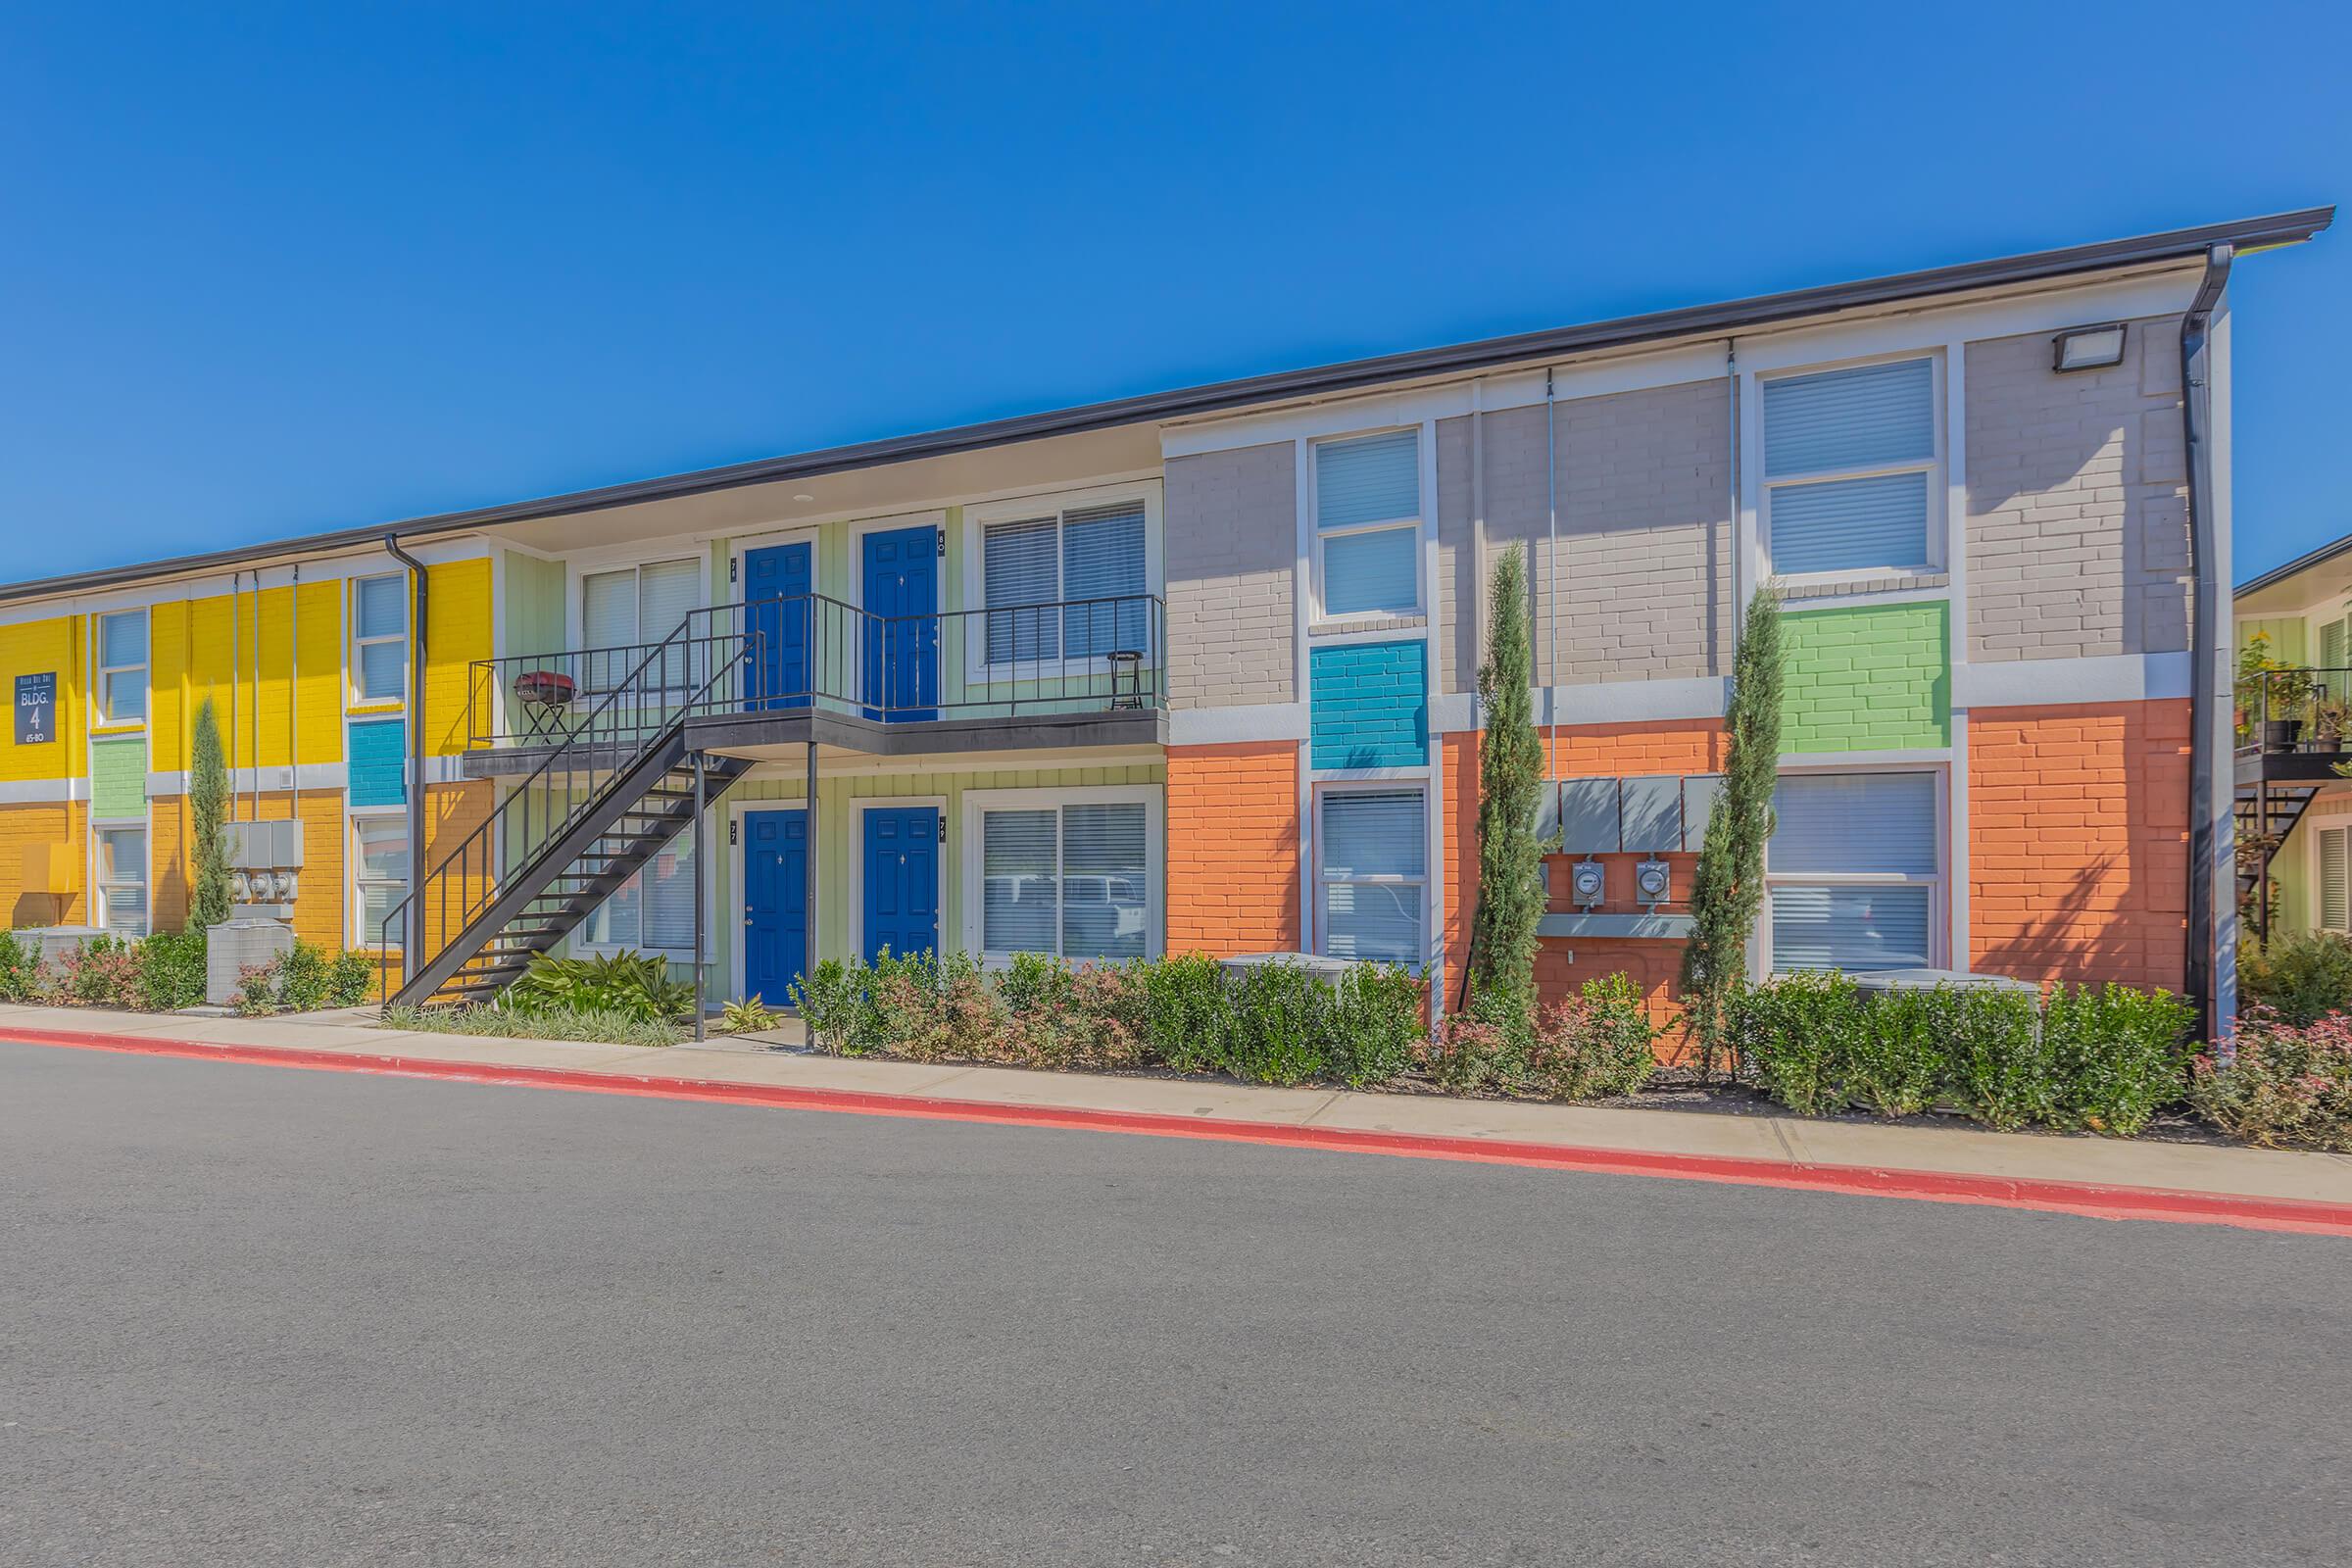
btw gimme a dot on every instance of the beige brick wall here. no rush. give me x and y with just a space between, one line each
1645 572
2077 523
1232 552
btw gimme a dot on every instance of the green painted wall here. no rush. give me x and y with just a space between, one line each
1869 678
119 778
2295 910
534 604
2288 643
837 842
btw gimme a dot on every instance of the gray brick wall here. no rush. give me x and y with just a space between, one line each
1644 575
1232 550
2077 522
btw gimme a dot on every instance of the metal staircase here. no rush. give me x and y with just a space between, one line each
618 785
2267 814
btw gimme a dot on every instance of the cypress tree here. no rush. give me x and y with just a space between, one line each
208 808
1510 784
1727 886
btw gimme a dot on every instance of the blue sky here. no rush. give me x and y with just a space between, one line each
269 270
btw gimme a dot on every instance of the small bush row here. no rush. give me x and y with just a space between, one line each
1276 1024
2280 1085
2298 979
166 972
2100 1060
1595 1044
604 1026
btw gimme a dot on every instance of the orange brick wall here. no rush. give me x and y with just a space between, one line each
1581 750
2078 828
1233 862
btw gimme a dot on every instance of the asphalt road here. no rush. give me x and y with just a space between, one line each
254 1315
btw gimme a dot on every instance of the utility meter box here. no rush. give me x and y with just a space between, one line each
263 863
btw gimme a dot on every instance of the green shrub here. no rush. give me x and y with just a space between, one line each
1376 1025
629 983
1795 1034
1188 1012
2300 978
103 970
2281 1085
1468 1053
602 1025
172 971
1109 1025
1597 1043
747 1016
2104 1060
1997 1068
1281 1022
836 1010
23 976
2117 1055
350 976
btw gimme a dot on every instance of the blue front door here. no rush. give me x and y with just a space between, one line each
777 580
902 880
900 664
775 924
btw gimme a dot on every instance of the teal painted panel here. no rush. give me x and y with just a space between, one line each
1370 705
379 763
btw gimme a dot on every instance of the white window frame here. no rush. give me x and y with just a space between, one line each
1055 505
1423 471
357 698
2335 814
1427 881
1937 883
107 719
102 904
1938 556
357 881
977 802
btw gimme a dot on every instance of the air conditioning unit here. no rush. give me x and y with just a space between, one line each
238 945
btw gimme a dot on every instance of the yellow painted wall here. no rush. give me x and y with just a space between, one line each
460 633
193 660
321 905
45 822
33 648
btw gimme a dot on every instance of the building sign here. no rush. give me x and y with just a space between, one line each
36 708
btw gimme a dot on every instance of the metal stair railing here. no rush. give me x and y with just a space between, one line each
596 755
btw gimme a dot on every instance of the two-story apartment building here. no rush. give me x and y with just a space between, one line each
2293 700
1195 671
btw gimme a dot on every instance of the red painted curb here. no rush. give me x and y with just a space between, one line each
2093 1200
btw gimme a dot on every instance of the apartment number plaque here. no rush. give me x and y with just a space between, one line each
36 708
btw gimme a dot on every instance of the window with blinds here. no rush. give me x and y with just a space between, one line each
1368 525
1071 585
123 880
380 854
379 637
1373 873
623 612
1854 871
1851 470
652 911
2336 879
123 666
1072 880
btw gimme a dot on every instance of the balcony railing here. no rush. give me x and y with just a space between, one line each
2298 711
809 653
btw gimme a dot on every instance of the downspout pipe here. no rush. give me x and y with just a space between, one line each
412 944
2211 975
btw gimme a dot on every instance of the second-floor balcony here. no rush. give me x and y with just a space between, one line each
811 668
2294 722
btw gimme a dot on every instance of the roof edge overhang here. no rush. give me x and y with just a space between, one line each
2301 563
1730 317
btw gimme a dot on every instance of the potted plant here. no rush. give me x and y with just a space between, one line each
2328 712
2271 692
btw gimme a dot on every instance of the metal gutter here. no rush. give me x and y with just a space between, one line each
2211 879
2185 244
412 710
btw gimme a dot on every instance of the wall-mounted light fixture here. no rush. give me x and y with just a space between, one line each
2087 348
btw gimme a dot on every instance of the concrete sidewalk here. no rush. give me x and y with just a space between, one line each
1660 1137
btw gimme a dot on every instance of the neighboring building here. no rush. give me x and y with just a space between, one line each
2293 696
1194 670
